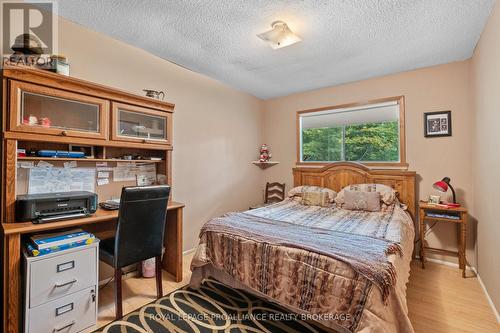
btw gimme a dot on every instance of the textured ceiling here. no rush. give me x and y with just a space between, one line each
343 40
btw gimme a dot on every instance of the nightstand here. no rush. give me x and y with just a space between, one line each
431 212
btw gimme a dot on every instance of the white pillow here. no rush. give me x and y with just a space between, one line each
361 200
387 193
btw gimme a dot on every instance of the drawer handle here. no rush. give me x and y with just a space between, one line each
62 284
64 327
64 133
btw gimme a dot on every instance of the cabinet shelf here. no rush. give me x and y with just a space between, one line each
264 165
63 159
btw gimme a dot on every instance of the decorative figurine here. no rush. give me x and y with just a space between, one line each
30 120
265 155
45 122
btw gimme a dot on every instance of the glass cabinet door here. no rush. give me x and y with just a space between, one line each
132 123
39 109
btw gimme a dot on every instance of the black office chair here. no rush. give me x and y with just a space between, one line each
139 234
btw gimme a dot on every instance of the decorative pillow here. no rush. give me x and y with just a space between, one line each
316 199
387 194
360 200
298 192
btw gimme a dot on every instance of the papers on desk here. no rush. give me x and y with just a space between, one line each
111 204
115 202
50 180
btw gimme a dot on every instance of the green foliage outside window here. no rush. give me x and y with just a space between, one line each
377 142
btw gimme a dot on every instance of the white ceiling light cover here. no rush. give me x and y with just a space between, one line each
279 36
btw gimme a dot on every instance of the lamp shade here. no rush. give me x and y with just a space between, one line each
441 186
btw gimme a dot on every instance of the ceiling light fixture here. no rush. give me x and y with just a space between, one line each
279 36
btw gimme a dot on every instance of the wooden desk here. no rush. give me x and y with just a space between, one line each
103 222
83 100
461 213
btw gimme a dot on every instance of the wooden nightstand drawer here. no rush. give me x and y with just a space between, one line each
61 275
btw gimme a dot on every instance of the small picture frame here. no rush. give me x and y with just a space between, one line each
437 124
434 199
87 150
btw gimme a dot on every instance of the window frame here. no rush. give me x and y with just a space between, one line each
402 134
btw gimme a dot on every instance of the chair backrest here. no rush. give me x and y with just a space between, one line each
141 223
275 192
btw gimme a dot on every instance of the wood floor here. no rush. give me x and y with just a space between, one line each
439 300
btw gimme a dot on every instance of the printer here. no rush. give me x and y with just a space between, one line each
51 207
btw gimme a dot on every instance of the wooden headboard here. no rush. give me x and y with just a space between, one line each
338 175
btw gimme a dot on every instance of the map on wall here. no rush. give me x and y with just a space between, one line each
50 180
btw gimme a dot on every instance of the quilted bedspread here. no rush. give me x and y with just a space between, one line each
345 269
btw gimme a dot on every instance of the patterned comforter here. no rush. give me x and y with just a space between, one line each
308 276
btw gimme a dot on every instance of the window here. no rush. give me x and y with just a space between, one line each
369 133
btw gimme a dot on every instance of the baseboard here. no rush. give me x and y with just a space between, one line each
490 301
471 268
448 263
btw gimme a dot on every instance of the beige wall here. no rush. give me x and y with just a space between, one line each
486 157
445 87
217 130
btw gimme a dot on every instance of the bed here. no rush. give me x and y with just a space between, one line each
344 269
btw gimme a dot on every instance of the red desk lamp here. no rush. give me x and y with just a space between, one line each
443 186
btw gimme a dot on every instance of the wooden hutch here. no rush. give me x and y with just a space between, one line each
46 111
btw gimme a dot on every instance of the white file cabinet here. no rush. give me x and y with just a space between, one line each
61 290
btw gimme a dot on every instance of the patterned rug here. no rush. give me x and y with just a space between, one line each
212 308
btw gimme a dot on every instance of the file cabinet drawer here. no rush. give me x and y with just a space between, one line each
72 313
61 275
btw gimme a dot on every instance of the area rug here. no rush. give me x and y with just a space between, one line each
213 307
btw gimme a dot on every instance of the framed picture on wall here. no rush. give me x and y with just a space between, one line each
437 124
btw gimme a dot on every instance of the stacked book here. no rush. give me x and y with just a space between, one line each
48 243
443 215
